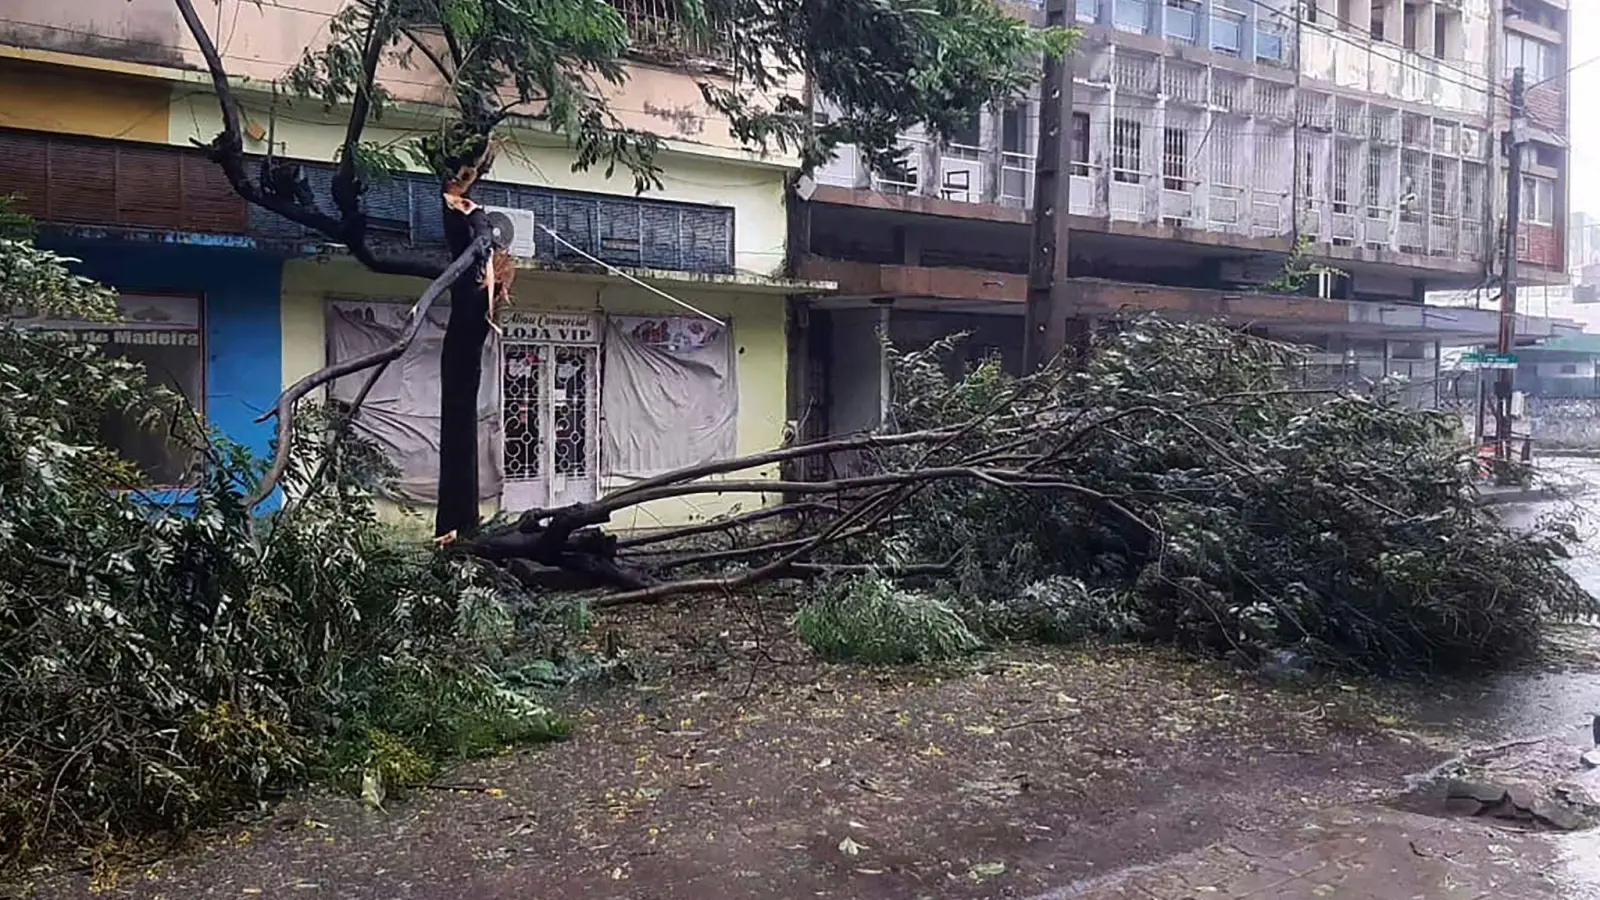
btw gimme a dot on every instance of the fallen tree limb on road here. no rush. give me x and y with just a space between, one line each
1174 472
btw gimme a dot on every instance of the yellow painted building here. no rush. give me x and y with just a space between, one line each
134 98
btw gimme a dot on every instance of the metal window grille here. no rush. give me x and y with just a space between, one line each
1126 141
1374 182
1343 163
656 30
1175 159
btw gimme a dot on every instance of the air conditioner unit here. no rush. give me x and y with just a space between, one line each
513 229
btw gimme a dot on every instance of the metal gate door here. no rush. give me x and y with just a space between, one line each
551 415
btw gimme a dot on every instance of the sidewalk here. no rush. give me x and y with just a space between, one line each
1370 854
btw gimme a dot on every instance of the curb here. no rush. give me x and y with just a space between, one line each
1531 495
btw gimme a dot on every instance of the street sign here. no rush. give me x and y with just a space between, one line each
1489 361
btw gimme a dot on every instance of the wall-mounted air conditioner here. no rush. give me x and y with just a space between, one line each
513 229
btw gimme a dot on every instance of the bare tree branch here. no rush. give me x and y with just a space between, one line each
227 150
727 523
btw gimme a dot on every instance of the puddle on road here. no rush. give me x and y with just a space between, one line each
1553 711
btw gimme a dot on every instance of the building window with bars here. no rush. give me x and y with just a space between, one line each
1374 182
1308 176
1175 159
1341 178
165 335
1126 142
1080 144
1439 190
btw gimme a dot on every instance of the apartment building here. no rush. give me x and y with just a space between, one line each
1212 143
1535 36
103 101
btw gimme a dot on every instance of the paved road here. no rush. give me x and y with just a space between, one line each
1377 853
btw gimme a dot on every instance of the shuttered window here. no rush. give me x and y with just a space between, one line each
118 184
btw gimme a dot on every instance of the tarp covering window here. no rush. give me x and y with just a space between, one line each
669 397
402 413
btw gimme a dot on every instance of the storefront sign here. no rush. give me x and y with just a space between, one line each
147 321
551 328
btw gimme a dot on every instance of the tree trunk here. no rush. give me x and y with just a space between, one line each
460 372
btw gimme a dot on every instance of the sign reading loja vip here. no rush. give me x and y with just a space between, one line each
523 327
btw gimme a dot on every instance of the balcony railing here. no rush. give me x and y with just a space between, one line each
656 32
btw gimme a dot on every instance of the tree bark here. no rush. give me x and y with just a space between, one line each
460 373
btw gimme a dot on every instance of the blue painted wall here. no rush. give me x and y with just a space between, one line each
244 334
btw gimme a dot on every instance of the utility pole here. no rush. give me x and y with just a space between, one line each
1516 143
1048 302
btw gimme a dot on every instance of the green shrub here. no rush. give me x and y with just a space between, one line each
869 618
160 667
1055 610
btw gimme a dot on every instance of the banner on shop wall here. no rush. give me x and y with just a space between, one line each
670 397
401 414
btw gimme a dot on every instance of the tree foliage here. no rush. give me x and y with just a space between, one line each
160 664
1170 484
1215 506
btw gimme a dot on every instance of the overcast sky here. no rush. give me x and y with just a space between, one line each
1585 128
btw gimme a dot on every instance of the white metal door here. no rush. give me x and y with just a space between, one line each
551 417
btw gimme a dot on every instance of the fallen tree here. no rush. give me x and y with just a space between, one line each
1173 471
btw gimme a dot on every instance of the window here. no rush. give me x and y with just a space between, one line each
1538 200
1080 143
1569 368
1537 59
1310 11
1447 33
165 334
1126 138
1227 33
1175 159
1014 130
1439 190
969 134
1374 182
1343 159
1130 15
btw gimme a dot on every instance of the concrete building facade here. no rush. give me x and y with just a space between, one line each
1212 145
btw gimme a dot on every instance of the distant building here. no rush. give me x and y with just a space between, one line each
1583 242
